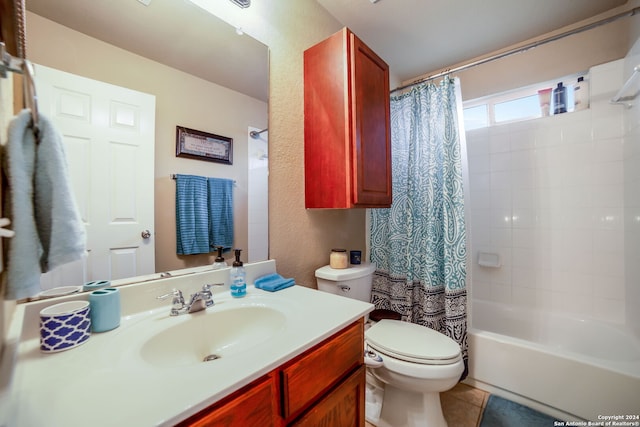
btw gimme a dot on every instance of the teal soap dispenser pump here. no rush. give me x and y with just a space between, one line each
238 276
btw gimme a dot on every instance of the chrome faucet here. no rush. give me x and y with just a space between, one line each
199 301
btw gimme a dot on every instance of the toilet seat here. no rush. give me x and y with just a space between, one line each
412 343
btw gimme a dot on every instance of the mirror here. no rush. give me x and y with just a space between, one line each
204 74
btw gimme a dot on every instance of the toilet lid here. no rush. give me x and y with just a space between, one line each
411 342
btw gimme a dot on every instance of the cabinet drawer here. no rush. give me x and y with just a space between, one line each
253 405
342 407
321 368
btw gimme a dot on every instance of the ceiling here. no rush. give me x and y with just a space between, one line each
416 37
173 32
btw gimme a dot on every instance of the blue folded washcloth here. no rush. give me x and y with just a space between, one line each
273 282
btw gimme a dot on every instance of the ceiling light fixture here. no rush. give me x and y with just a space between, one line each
242 3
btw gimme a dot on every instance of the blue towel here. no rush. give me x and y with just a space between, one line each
192 215
273 282
48 226
220 193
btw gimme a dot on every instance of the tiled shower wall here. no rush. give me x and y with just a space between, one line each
632 197
548 196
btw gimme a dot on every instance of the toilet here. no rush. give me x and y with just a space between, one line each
412 363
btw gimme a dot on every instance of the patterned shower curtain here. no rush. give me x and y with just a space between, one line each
419 244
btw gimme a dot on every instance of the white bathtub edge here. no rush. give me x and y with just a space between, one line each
533 404
580 390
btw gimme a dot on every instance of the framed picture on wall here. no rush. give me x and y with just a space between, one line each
199 145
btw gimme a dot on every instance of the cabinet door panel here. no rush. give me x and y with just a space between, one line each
342 407
372 139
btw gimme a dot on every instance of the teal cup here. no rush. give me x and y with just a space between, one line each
94 286
105 309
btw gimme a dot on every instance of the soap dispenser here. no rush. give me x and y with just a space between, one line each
238 283
219 262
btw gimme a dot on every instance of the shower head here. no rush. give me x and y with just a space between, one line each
256 134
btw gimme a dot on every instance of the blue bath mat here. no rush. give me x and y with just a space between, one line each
501 412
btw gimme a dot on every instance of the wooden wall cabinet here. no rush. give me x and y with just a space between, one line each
323 386
347 138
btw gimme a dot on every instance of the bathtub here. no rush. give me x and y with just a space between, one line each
567 367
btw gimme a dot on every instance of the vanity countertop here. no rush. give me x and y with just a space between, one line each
106 382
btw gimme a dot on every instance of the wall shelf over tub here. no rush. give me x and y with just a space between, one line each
625 96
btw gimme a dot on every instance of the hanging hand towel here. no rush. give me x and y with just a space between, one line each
273 282
192 215
49 229
60 225
220 212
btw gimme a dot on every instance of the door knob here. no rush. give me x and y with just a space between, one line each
145 234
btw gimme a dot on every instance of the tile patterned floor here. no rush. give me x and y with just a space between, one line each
462 406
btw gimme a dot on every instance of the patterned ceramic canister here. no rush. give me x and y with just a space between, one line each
64 326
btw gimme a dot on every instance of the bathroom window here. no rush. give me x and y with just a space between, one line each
527 107
520 104
476 117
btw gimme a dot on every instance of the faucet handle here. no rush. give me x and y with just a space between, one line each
177 303
178 299
207 286
176 293
207 294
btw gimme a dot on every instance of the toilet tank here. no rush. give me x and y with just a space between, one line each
352 282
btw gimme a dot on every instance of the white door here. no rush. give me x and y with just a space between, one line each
109 136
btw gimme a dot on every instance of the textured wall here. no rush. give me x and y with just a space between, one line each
299 239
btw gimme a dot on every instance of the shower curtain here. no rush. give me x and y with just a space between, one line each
419 244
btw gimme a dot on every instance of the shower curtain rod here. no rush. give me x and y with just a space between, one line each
524 48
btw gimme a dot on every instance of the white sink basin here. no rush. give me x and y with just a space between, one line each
210 335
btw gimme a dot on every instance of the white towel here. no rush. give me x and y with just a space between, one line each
41 205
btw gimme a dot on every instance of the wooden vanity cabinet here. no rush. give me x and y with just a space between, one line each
323 386
319 371
347 134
